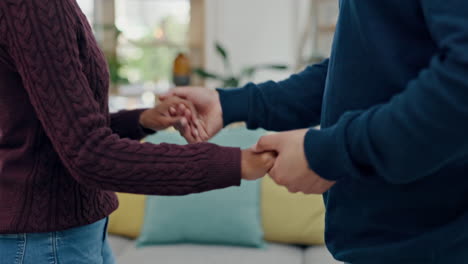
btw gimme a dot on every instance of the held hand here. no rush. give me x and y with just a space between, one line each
256 165
160 117
291 168
208 107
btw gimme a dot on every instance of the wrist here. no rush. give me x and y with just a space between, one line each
142 119
244 163
144 124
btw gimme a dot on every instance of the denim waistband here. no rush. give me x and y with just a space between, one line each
81 245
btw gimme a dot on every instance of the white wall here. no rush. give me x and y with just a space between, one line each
254 32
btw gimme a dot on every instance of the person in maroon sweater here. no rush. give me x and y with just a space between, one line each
62 155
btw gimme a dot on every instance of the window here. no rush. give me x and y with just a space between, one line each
152 33
141 39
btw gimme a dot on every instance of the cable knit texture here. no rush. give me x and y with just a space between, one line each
61 153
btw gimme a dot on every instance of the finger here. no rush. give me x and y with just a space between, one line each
188 135
188 114
269 159
187 132
169 121
190 111
181 109
192 116
172 111
274 176
203 130
184 122
195 133
199 125
266 143
181 127
171 106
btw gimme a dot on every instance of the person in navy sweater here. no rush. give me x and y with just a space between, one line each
391 157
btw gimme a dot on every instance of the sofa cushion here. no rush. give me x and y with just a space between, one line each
120 244
127 220
197 254
291 218
319 255
229 216
222 217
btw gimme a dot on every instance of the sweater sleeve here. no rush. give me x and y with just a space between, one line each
43 44
278 106
126 124
419 131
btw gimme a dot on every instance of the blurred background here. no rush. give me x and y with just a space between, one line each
216 43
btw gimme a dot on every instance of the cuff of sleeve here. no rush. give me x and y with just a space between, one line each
127 124
227 168
234 103
326 152
134 116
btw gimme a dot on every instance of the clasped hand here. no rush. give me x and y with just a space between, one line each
281 155
182 114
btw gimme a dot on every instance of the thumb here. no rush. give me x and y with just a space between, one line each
182 92
266 143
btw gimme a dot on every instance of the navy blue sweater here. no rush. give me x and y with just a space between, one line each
392 102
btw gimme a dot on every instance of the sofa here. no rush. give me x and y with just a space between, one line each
126 253
280 227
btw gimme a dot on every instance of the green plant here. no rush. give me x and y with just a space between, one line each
148 59
113 60
115 65
230 79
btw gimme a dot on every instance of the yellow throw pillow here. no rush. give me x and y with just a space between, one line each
291 218
127 220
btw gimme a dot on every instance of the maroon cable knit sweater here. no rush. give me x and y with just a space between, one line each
61 154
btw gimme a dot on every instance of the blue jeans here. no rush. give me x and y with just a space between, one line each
82 245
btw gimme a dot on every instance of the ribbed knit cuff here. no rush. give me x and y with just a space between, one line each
326 153
127 124
235 105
